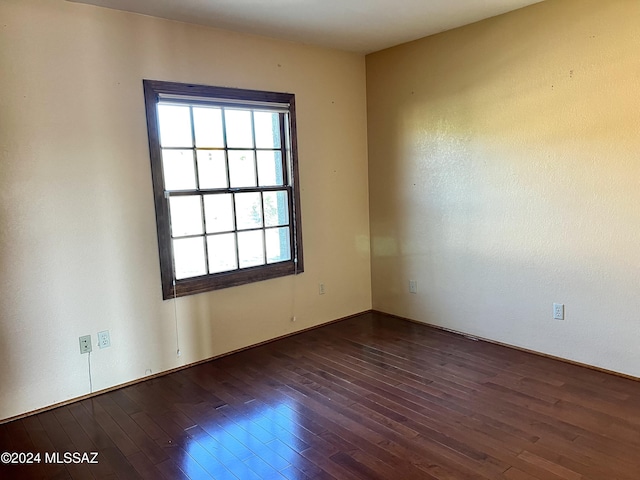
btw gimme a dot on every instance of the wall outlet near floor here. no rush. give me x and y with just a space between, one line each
413 286
104 340
321 290
85 344
558 311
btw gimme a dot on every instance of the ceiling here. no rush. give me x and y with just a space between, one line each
361 26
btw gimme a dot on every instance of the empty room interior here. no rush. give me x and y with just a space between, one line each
450 289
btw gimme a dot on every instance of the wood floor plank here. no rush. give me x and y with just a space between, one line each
146 445
42 444
401 429
353 429
370 397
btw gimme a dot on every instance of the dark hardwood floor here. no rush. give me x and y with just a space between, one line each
371 397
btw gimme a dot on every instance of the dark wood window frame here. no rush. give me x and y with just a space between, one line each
156 91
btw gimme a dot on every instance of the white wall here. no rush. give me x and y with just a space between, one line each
78 249
505 175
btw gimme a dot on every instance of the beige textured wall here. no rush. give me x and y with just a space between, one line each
504 164
78 251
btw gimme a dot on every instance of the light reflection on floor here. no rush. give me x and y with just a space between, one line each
254 441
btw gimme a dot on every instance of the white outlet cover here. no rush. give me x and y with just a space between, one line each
558 311
104 340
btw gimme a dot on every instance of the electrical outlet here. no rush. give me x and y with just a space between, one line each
85 344
104 340
558 311
321 290
413 286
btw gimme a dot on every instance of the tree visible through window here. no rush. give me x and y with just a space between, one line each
224 172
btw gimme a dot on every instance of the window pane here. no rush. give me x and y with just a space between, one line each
222 253
242 168
218 212
178 169
250 248
188 254
212 169
248 211
278 244
270 168
267 125
175 126
186 215
276 208
238 125
208 127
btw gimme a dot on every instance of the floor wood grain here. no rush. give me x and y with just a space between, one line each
371 397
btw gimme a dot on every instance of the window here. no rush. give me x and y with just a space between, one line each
225 182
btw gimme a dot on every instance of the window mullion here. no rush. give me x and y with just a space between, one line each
205 191
283 150
264 235
226 148
235 228
167 197
253 147
255 162
229 189
292 223
204 232
194 151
